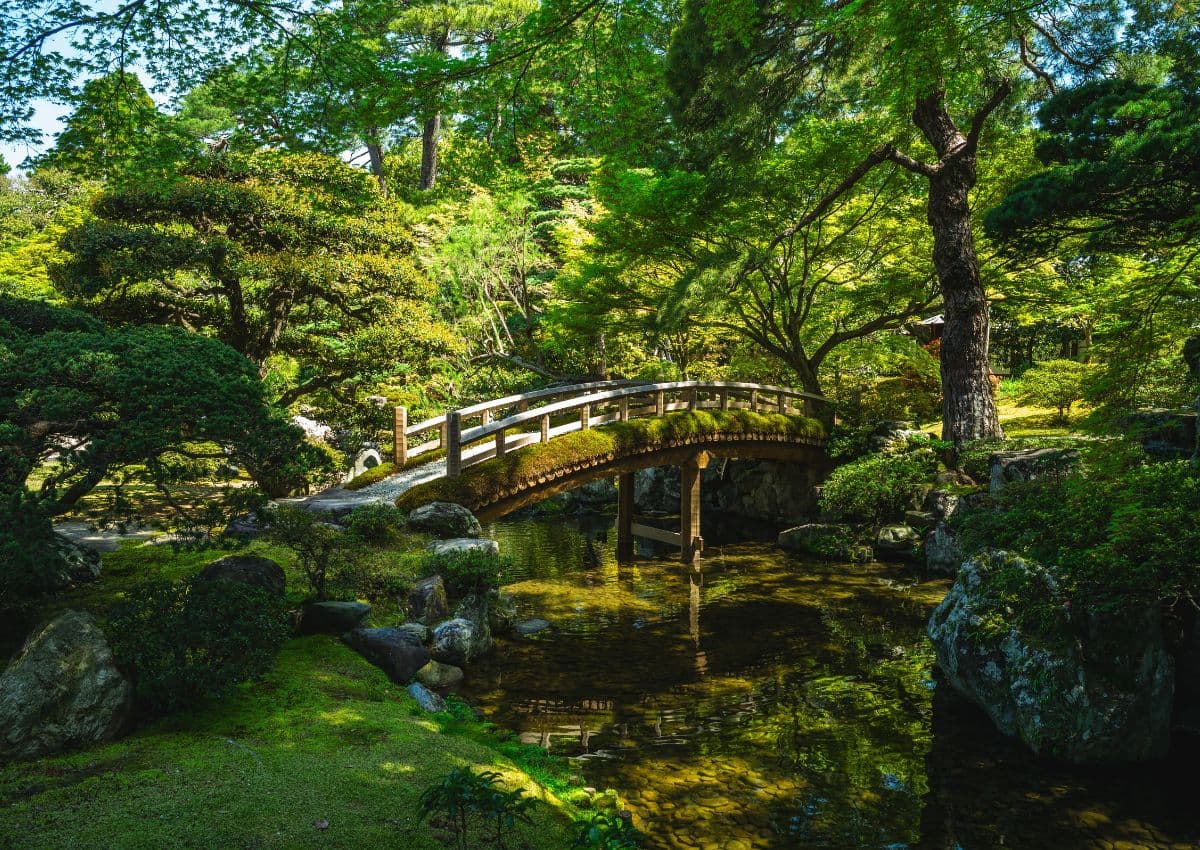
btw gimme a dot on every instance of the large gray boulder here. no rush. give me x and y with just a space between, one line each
462 545
394 651
1028 465
248 569
427 601
62 690
656 490
445 520
455 642
1085 692
333 617
943 551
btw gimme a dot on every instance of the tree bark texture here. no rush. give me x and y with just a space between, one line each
429 151
968 407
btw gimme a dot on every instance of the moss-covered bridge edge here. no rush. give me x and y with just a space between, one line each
535 472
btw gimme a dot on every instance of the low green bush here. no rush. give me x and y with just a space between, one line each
376 524
470 572
878 487
184 642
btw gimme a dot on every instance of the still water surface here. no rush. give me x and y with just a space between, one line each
768 701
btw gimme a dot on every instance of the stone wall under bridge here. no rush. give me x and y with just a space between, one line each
771 491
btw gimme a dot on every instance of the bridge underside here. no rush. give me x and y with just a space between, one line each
529 493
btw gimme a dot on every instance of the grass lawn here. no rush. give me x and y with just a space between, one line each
325 737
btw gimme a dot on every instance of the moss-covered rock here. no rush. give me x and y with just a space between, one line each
1085 689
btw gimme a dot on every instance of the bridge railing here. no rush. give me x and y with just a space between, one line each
589 405
485 412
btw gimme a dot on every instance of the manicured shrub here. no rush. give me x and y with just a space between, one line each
877 487
1055 383
184 642
465 573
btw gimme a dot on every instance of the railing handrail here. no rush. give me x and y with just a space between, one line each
452 436
480 432
533 395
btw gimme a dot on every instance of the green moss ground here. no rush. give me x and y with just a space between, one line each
482 483
324 737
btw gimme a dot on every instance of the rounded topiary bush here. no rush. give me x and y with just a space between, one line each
184 642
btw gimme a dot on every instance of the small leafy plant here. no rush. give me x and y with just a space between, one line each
463 793
606 831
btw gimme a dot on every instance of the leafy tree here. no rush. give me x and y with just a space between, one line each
80 403
941 70
746 257
1122 168
1055 383
36 211
278 255
114 129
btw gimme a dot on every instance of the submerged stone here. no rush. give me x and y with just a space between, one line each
532 627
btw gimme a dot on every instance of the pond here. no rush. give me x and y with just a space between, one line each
768 701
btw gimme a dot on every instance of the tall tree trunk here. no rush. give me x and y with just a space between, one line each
968 408
375 154
429 151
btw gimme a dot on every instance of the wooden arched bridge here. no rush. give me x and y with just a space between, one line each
651 426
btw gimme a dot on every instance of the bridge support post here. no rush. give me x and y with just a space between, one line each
625 517
399 439
453 444
691 543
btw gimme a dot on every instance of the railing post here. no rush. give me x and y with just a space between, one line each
485 418
500 447
444 433
754 401
522 405
660 403
585 417
399 437
453 442
623 413
692 398
546 428
724 396
782 402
